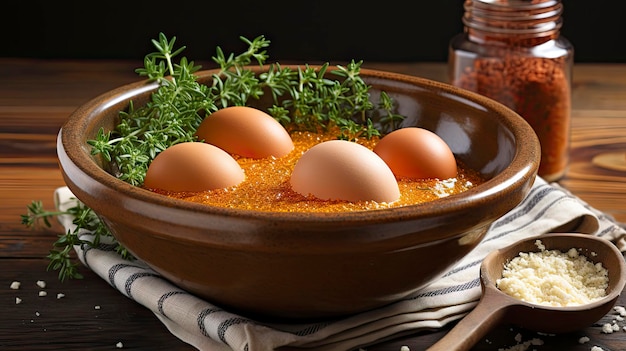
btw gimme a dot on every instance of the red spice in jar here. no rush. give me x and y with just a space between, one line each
511 51
536 88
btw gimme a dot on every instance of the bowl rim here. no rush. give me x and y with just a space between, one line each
523 167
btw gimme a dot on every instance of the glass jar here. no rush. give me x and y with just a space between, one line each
512 51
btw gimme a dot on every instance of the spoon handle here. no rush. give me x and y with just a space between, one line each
472 327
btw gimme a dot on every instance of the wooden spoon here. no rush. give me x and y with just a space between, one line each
497 307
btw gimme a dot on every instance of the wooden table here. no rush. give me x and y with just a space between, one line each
37 95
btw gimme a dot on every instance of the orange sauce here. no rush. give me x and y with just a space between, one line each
266 187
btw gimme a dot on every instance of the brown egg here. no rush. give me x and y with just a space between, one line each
417 153
245 131
193 166
343 170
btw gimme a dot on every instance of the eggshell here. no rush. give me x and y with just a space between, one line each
193 166
245 131
344 170
417 153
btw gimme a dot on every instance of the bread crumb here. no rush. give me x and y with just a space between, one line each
583 340
43 293
41 284
18 301
15 285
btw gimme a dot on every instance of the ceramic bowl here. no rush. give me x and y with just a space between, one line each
307 266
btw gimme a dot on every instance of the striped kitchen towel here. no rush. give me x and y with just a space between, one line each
547 208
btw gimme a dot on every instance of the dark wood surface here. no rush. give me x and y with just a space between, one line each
37 95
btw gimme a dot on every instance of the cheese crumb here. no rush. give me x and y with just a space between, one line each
96 307
553 278
15 285
525 345
597 348
583 340
60 295
18 301
608 328
43 293
119 345
41 284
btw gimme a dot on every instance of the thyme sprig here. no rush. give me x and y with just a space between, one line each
84 219
303 98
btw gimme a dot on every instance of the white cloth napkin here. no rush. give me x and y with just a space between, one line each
547 208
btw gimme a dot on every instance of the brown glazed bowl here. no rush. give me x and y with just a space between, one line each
297 266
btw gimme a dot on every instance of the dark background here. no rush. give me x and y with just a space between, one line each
387 30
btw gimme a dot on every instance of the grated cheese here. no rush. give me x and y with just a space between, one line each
553 278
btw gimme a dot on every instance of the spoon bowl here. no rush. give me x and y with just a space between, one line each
496 307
